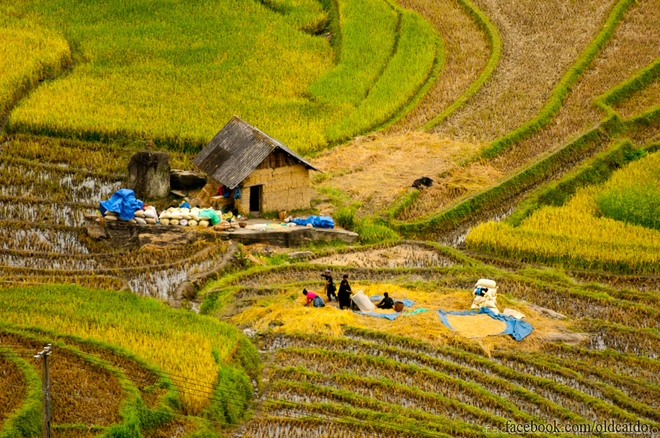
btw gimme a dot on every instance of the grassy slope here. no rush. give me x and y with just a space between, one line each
47 53
174 71
179 342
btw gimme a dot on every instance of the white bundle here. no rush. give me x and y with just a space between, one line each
363 302
140 221
175 214
150 212
183 222
165 215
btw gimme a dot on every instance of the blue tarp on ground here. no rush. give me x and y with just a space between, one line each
124 203
406 302
518 329
316 221
390 316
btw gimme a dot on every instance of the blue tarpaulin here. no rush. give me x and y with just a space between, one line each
406 302
517 328
390 316
124 203
316 221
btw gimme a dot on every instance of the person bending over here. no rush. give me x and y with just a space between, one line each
313 298
386 303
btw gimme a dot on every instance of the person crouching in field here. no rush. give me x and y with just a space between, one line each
386 303
344 293
313 298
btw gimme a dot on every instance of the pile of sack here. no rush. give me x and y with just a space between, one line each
190 217
148 215
485 295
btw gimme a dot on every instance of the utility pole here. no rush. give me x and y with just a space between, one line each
45 388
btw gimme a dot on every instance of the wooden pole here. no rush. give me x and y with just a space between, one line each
45 388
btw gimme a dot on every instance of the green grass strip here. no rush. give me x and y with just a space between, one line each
418 51
26 420
495 54
368 36
561 90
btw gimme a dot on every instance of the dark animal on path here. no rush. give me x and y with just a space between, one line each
424 181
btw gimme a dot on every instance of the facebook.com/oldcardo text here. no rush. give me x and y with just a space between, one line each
590 428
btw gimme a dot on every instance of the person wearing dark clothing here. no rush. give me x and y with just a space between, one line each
344 293
330 288
386 303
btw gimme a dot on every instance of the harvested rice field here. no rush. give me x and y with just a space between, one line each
467 51
405 256
370 169
540 40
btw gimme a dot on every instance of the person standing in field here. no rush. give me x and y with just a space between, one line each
313 298
344 293
330 287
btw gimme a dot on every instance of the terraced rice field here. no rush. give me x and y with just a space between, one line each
48 187
371 381
521 112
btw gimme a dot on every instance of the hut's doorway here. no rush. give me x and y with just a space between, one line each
255 200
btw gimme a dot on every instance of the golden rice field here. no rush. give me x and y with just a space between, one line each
28 54
578 235
259 64
178 342
333 372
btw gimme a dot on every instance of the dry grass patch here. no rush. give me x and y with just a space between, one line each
455 184
376 169
646 135
410 256
541 39
640 101
466 54
634 44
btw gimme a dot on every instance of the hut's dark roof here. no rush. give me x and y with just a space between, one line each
236 151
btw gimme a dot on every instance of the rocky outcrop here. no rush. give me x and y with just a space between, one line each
149 174
186 180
